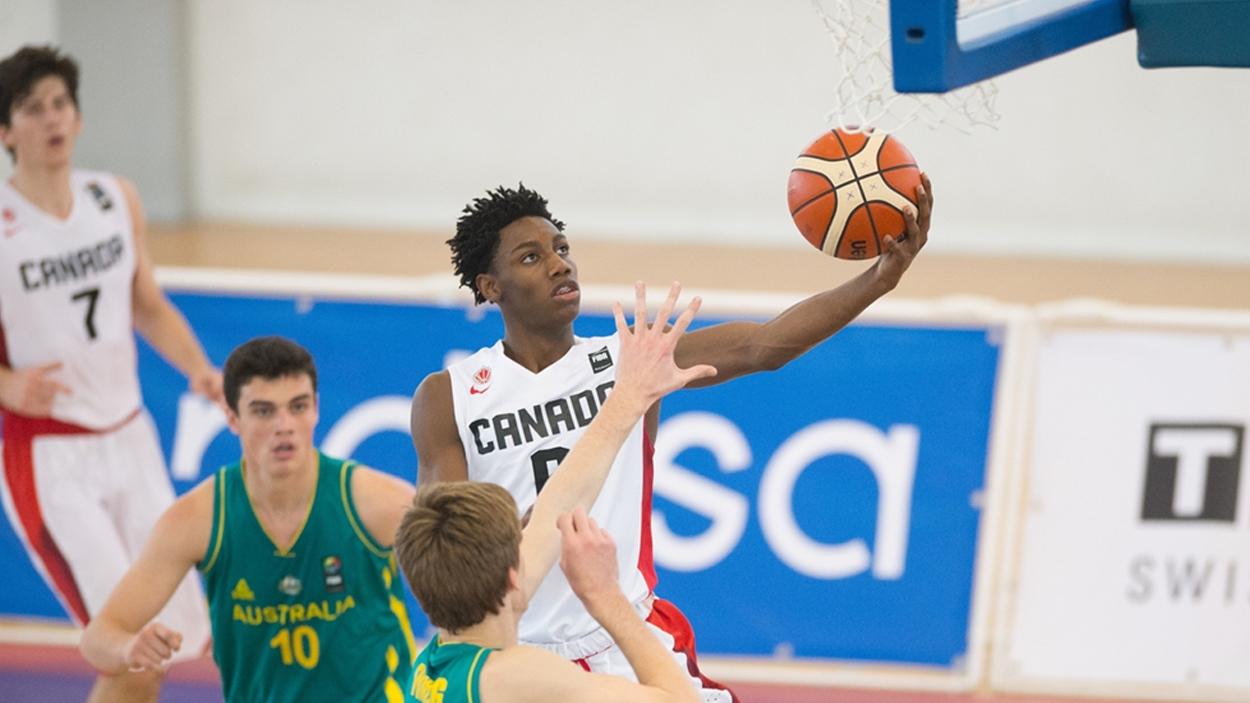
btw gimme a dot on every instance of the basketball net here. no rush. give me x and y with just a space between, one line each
860 30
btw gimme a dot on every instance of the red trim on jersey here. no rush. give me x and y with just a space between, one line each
4 348
19 473
583 663
646 561
667 617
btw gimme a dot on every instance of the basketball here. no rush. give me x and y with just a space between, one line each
847 192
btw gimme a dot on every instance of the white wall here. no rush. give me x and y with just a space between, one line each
24 22
658 119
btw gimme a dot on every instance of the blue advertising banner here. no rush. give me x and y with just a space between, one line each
827 510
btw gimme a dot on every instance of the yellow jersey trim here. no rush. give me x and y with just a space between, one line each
468 681
349 508
219 527
312 500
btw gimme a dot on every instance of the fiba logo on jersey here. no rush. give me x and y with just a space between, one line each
1193 472
102 199
600 360
481 381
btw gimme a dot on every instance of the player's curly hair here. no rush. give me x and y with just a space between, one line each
21 71
477 231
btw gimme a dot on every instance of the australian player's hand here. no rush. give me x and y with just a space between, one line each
152 647
588 559
31 391
646 370
898 253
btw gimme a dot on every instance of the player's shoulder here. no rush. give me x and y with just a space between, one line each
198 499
367 481
433 392
190 518
521 668
86 177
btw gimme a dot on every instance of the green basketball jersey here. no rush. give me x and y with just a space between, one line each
448 673
322 621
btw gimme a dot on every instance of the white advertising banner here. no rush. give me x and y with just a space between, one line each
1133 554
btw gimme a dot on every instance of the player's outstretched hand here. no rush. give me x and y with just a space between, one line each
588 558
31 391
207 382
152 647
646 370
898 253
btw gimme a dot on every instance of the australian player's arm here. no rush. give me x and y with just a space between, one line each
381 499
158 320
524 674
123 635
740 348
440 455
645 372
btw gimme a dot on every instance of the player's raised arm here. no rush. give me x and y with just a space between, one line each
646 372
740 348
123 635
440 456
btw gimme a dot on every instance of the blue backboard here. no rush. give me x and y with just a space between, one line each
940 45
936 48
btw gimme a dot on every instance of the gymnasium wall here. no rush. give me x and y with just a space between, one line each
642 121
662 120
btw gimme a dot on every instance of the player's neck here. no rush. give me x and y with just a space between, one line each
46 187
281 493
497 631
537 350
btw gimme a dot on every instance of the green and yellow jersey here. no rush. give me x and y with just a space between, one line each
448 673
321 621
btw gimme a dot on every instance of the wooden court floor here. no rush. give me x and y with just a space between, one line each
42 674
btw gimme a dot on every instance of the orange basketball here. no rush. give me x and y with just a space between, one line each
848 191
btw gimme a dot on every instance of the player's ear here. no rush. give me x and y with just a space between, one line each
232 419
488 287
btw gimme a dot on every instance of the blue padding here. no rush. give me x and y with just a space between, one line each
1192 32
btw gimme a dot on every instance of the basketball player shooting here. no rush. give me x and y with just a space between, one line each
508 414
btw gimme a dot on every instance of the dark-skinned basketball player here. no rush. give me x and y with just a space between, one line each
509 413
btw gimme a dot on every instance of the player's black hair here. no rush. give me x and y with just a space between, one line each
20 72
269 358
477 231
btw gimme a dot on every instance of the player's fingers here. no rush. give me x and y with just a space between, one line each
170 637
640 307
151 651
694 373
928 187
619 315
913 227
564 523
48 368
666 310
580 520
687 315
57 388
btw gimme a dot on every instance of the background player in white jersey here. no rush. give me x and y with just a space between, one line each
84 479
508 413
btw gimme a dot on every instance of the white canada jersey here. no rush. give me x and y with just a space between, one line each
65 296
516 426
